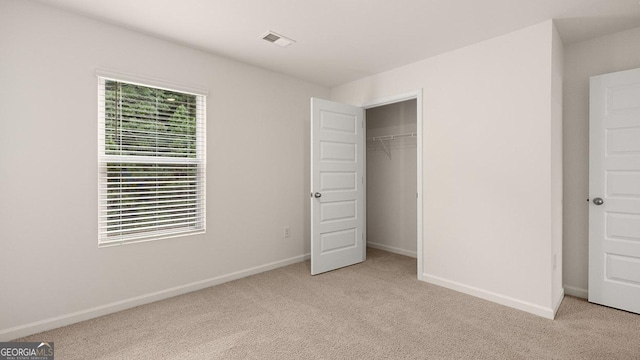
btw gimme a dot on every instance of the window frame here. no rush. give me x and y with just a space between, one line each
104 240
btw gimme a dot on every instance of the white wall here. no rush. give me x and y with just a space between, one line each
392 181
616 52
51 270
487 164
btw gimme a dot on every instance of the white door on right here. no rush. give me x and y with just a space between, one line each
614 190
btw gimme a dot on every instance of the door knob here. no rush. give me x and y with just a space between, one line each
598 201
317 195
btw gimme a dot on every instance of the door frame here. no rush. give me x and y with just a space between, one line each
417 95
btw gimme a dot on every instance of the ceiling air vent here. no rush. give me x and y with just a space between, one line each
277 39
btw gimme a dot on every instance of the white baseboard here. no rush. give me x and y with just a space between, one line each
542 311
72 318
557 301
577 292
392 249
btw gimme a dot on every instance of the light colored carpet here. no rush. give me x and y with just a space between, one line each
374 310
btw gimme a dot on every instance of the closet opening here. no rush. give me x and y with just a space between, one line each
392 182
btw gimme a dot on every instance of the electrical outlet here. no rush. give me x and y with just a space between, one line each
287 232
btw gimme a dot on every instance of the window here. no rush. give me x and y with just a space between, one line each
151 160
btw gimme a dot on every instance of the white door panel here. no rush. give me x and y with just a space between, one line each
614 176
337 185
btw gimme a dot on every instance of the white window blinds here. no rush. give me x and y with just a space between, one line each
151 160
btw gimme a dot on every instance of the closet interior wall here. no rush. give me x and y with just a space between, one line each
392 177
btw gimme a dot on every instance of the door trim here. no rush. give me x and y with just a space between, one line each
417 95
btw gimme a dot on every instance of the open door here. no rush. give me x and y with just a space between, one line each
337 186
614 188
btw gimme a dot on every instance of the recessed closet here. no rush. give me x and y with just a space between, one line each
392 177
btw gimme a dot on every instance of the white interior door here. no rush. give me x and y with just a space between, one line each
337 185
614 188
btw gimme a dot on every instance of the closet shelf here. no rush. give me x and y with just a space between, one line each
384 138
392 137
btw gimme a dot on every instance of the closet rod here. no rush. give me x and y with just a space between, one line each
384 138
392 137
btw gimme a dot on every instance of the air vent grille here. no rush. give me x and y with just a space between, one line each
277 39
271 37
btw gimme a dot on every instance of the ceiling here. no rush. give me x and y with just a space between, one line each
338 41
